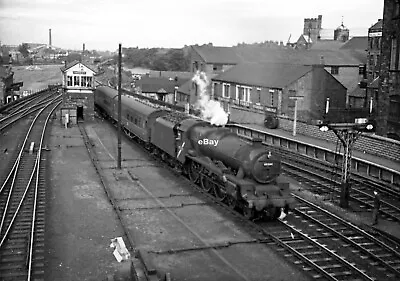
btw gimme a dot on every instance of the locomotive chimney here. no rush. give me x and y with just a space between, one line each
256 142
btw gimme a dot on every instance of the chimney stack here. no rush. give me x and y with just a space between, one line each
50 37
83 53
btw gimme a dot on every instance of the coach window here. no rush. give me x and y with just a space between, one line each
69 80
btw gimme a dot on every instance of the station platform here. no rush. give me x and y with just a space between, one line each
384 162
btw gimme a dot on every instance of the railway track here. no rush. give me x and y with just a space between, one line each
321 182
22 206
26 109
340 249
320 243
323 178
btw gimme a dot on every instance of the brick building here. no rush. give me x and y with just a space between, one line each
160 88
343 64
248 89
373 60
388 103
78 91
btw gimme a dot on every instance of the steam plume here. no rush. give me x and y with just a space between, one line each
211 110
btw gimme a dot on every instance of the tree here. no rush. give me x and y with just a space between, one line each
24 49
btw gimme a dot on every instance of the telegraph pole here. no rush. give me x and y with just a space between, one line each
119 104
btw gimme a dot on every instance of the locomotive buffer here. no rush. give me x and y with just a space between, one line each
348 125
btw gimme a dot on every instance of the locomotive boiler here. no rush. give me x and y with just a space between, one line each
246 160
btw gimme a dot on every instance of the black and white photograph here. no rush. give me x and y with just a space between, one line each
182 140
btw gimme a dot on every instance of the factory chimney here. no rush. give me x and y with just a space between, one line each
50 38
83 53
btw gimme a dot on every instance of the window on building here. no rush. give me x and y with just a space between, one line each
334 70
271 94
377 43
259 95
89 81
217 67
226 90
83 81
76 80
243 93
394 54
396 10
69 80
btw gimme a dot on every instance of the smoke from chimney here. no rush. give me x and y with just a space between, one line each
211 110
50 37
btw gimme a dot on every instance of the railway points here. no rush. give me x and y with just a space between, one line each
133 196
174 230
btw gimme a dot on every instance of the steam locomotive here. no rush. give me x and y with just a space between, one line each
237 173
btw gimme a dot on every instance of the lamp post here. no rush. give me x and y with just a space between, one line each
295 98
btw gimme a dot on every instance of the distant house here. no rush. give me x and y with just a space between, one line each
249 89
160 88
343 64
304 42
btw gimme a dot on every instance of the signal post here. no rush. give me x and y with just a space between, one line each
347 125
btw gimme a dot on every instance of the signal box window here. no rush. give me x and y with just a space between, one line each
69 80
76 80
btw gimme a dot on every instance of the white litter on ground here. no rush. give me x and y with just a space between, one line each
121 253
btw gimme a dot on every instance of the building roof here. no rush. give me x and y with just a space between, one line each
73 63
377 26
185 87
306 38
268 75
357 42
332 45
235 55
159 84
358 92
223 55
303 57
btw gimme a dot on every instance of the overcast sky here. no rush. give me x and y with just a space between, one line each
103 24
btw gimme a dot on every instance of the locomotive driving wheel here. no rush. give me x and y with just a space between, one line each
206 182
220 192
194 171
231 202
248 212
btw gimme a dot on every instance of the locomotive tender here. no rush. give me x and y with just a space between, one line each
240 174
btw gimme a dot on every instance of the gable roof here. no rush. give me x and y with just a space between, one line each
377 26
305 38
264 74
357 42
185 87
224 55
73 63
